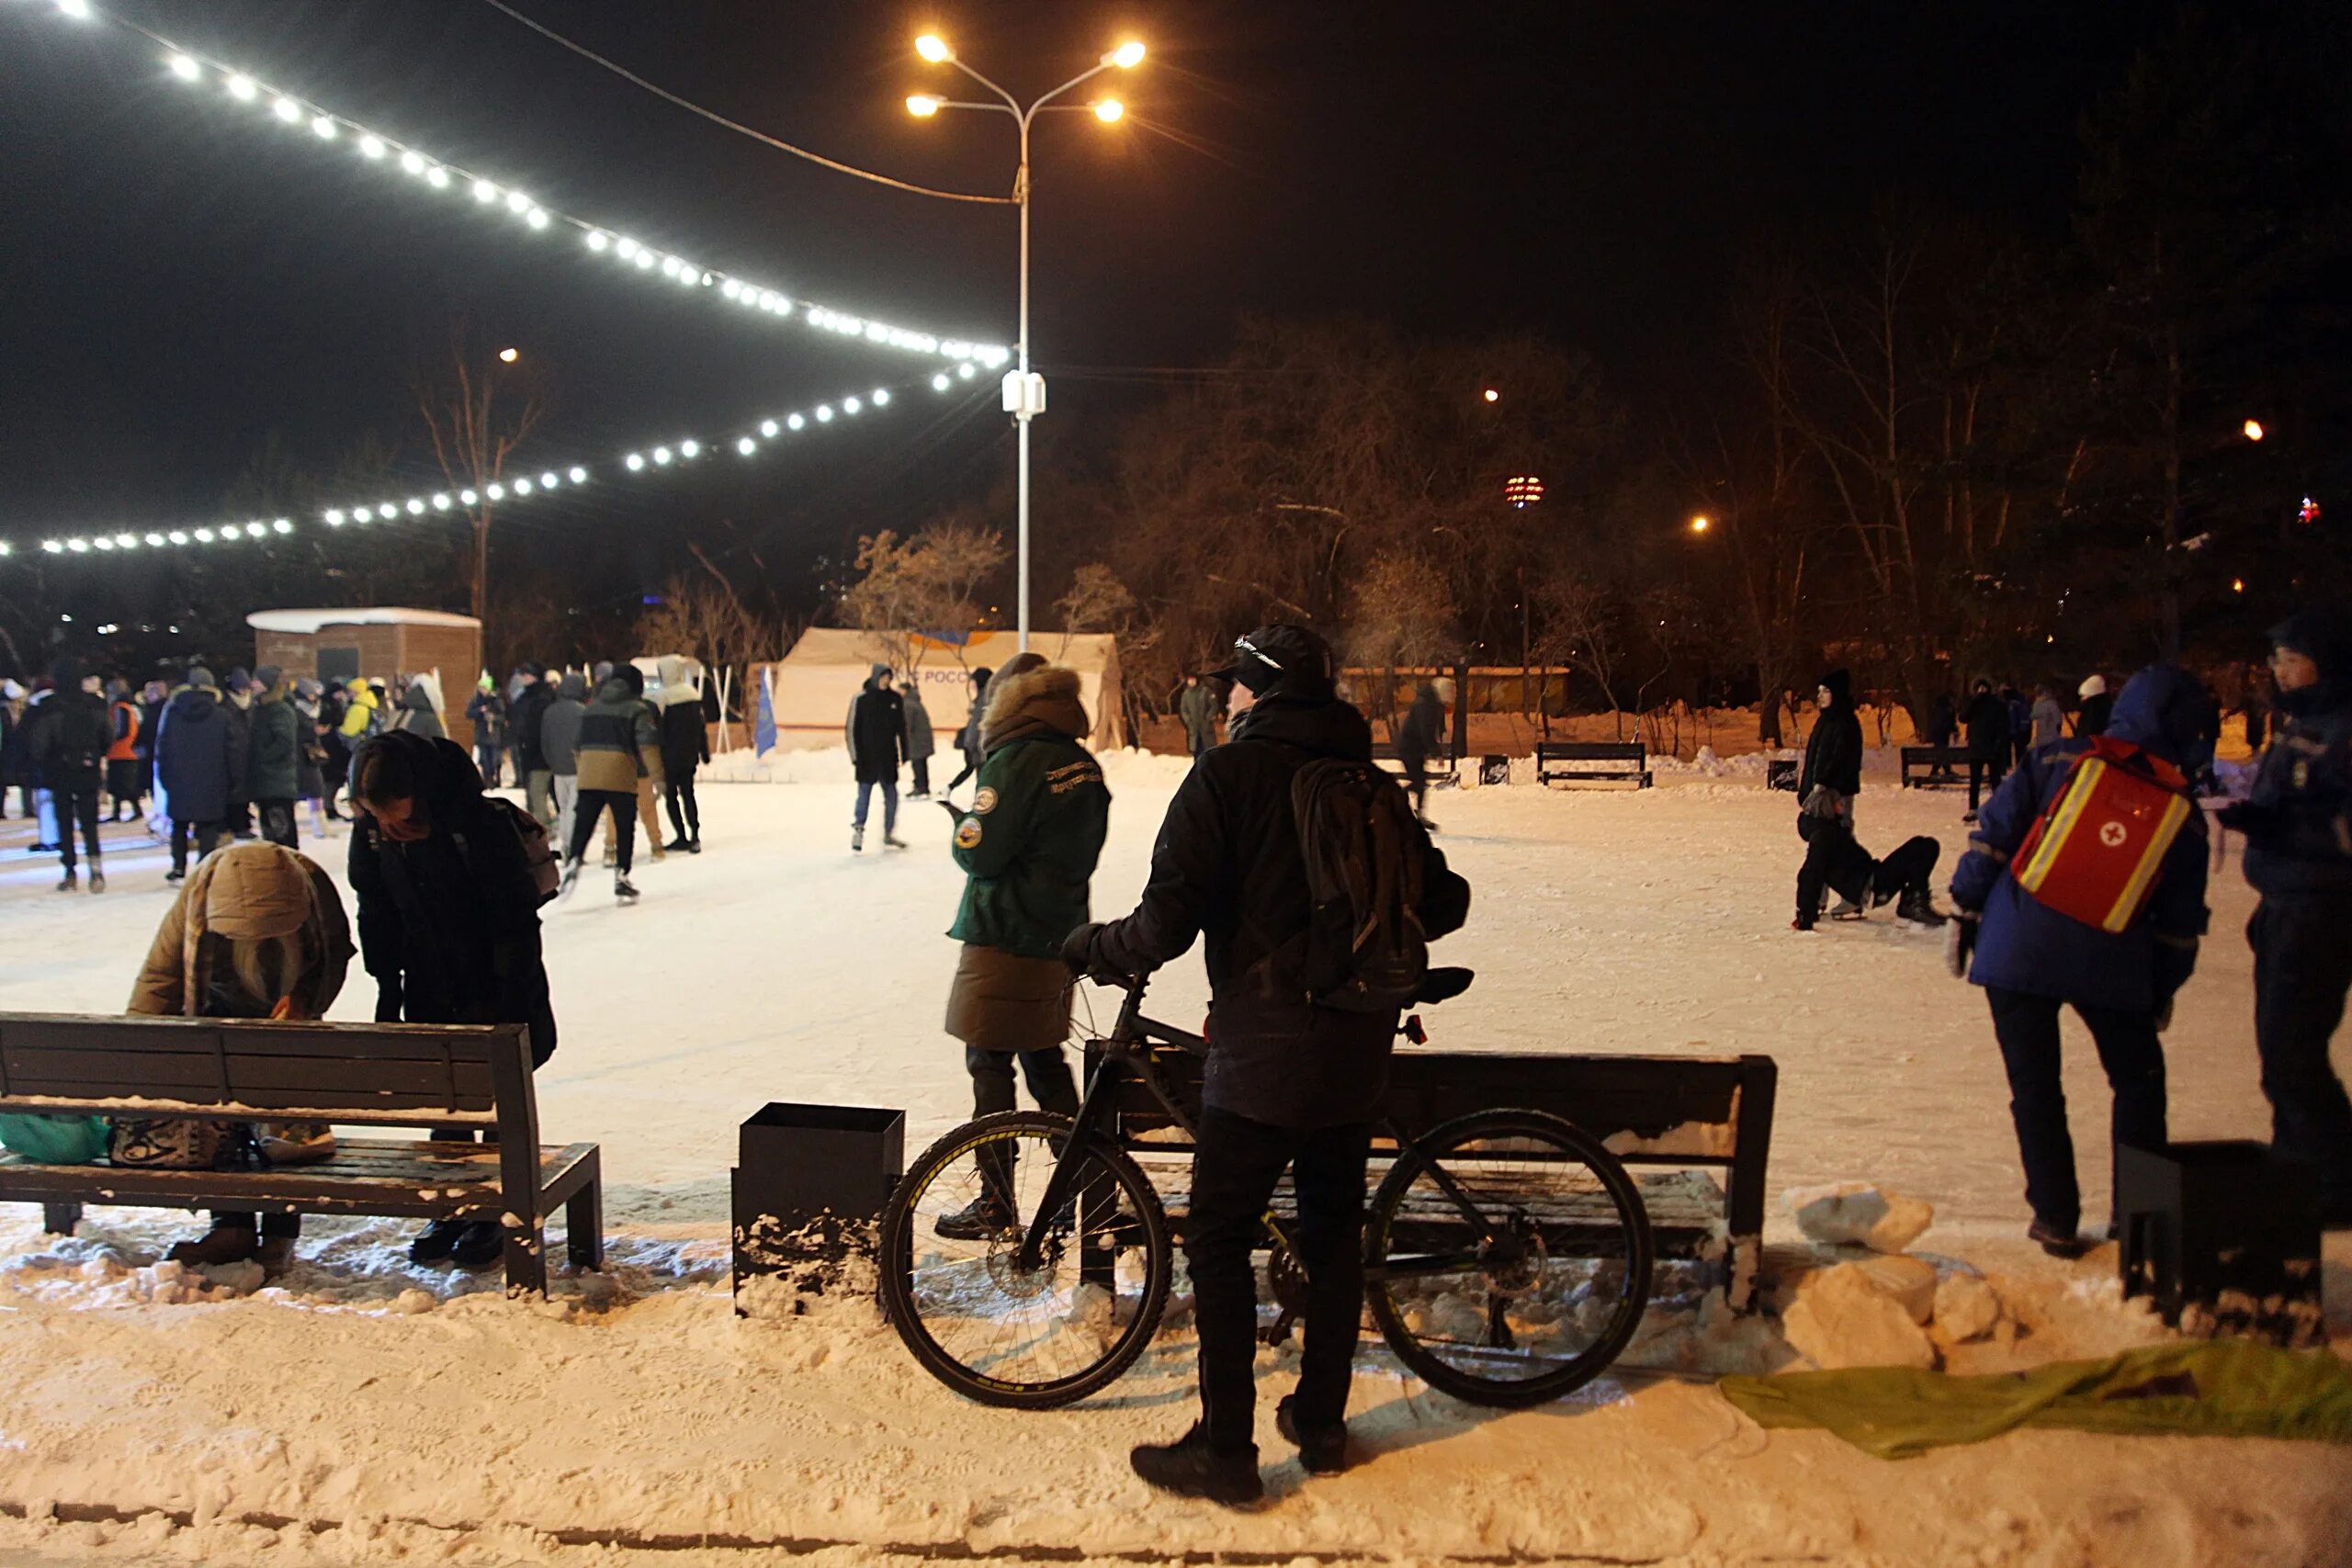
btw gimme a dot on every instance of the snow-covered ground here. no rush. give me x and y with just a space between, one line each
363 1412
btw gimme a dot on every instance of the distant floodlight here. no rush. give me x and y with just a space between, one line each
184 68
634 462
371 146
323 128
768 428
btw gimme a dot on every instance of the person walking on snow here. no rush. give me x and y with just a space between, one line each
126 769
560 743
69 749
968 740
415 715
2049 719
1290 1084
275 768
921 742
2097 708
1198 708
526 722
1831 774
1943 726
192 767
2032 960
1027 848
686 745
619 746
2298 828
311 771
1417 740
237 700
1988 745
487 711
876 731
448 909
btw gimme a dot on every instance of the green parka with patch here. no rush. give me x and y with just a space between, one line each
1038 817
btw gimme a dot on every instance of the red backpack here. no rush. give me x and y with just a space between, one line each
2095 853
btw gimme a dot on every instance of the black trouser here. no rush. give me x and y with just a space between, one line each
921 766
1200 742
288 1225
593 804
1417 779
240 820
2302 966
208 835
486 759
680 792
971 766
277 822
2027 1027
1234 1172
77 805
1048 1070
126 782
1985 776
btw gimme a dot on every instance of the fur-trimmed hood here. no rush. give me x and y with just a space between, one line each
1040 700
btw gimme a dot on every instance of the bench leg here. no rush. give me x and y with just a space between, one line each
583 1226
527 1259
59 1219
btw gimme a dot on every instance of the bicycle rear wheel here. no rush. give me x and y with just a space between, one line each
972 1315
1507 1261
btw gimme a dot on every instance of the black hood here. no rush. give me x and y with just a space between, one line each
1842 691
446 779
1325 725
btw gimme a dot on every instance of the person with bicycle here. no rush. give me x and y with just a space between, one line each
1027 847
1292 1081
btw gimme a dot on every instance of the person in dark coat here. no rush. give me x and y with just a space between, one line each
1198 708
1943 727
2032 960
1288 1083
486 710
877 731
414 713
153 699
922 743
968 740
274 768
196 763
1836 861
559 744
1419 738
527 717
1988 745
237 700
126 764
686 745
70 750
2020 711
16 762
2298 828
448 916
1831 775
2091 719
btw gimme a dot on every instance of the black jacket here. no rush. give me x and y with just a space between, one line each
70 743
524 724
1943 723
240 721
1421 734
685 741
1988 728
2298 821
1227 868
877 733
1833 753
450 925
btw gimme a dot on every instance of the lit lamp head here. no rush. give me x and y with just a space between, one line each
923 106
1127 56
1110 111
933 47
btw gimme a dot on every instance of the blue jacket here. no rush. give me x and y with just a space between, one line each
2298 823
2023 945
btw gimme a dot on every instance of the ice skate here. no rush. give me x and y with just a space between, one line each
570 878
1918 912
1848 909
856 840
623 893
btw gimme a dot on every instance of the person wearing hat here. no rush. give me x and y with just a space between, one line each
126 766
968 740
619 747
2097 709
311 730
237 710
1289 1083
2297 827
193 764
274 770
69 749
876 733
487 712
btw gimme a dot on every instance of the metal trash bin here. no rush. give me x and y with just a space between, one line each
2224 1236
809 1184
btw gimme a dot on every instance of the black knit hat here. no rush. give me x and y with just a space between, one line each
1281 657
2322 634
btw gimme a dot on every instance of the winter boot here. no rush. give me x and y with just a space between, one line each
570 878
221 1244
1917 911
1322 1450
176 873
72 880
856 840
276 1255
694 845
97 878
434 1243
478 1243
623 893
890 841
2055 1242
681 843
1190 1468
983 1217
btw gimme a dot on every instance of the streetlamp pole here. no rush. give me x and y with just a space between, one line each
1023 395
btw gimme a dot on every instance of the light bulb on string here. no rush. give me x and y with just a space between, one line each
768 428
184 68
323 128
241 89
495 492
288 111
578 476
470 497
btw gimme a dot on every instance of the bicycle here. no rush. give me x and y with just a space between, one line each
1507 1252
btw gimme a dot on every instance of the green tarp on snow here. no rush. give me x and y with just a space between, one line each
2226 1388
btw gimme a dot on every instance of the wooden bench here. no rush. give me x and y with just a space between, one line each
1931 767
1618 760
1781 772
1440 766
1682 1123
380 1075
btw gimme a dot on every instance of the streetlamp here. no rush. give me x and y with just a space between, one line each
1024 394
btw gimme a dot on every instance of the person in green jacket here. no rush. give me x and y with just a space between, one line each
1199 707
1028 847
273 766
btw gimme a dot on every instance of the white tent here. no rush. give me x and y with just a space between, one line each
814 683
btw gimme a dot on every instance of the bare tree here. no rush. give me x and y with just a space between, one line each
1097 602
473 431
1579 613
932 584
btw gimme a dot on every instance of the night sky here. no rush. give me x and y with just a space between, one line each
183 275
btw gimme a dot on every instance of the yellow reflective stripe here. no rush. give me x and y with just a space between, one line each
2070 811
2152 859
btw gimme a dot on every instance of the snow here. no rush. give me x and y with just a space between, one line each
358 1410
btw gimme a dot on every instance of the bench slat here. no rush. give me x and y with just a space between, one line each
372 1178
82 1064
472 1079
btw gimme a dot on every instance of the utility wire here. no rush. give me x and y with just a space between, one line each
736 126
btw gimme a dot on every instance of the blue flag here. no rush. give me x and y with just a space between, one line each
764 728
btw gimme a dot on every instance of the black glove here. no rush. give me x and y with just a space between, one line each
1077 949
1960 941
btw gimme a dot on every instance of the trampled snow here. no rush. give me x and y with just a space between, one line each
361 1410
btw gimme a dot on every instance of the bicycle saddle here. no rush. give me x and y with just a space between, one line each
1442 984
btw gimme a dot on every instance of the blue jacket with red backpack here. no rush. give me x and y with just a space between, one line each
2025 945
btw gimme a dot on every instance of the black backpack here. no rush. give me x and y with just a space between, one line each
1365 948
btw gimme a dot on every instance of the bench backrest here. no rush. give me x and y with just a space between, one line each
1590 751
1935 753
388 1074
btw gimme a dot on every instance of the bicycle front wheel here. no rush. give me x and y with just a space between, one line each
1506 1257
953 1282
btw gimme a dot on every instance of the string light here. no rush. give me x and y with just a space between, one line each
191 65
